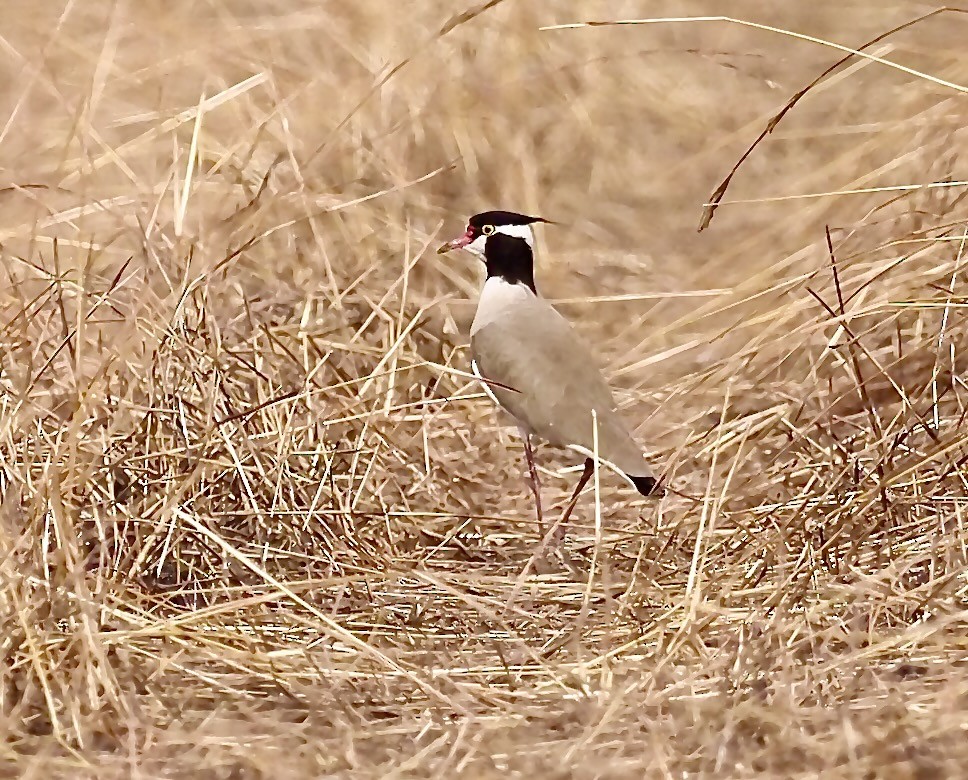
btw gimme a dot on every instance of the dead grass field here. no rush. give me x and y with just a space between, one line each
255 523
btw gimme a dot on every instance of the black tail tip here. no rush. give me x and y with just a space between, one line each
647 486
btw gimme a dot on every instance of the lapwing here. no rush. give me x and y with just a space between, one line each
533 364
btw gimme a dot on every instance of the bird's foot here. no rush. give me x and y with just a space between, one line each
553 554
556 559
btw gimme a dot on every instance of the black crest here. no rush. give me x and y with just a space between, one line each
497 218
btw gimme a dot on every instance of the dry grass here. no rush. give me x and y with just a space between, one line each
256 522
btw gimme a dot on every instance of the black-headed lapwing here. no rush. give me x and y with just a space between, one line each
533 363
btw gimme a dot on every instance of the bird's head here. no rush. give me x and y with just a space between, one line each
494 228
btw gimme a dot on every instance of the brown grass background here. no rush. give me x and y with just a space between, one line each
256 523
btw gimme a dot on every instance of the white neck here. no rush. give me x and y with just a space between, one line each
498 297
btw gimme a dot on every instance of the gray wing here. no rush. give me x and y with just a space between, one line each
534 350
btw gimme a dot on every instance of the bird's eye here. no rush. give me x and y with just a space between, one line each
488 230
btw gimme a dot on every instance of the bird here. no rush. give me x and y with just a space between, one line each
533 364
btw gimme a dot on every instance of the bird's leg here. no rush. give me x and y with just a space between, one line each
582 481
535 484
